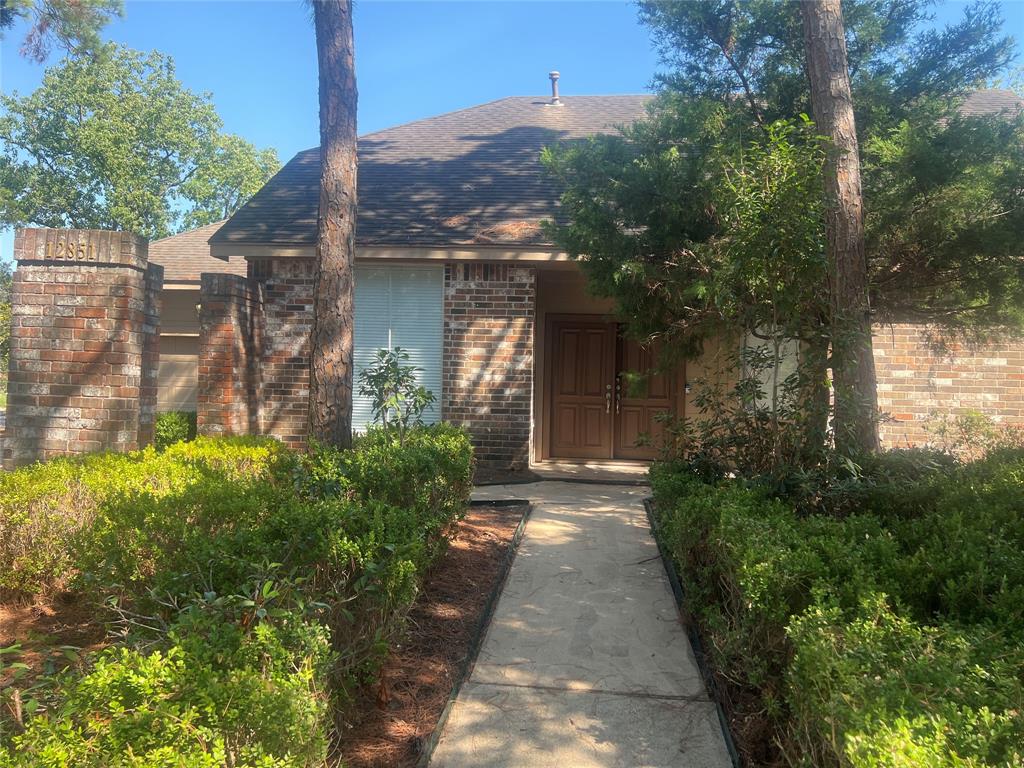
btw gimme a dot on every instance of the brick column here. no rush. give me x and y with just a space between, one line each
84 344
254 351
149 382
488 358
230 320
287 285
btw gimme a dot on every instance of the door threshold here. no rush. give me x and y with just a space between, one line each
613 471
595 463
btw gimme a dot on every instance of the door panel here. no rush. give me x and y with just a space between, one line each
637 411
584 371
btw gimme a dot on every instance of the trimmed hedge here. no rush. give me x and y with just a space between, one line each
256 589
61 517
891 636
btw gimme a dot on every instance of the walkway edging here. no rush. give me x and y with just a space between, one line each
691 632
485 620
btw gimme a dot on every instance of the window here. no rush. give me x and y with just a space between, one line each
399 306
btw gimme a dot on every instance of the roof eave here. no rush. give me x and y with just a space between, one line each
406 251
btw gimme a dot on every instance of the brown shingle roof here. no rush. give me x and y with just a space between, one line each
992 101
185 256
470 177
465 178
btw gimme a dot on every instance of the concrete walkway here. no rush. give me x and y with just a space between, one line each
586 662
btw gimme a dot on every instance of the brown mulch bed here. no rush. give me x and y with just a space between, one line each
41 627
50 635
401 712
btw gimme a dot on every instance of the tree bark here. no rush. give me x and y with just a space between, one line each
330 368
853 364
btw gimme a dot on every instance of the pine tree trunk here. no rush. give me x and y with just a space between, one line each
330 369
853 363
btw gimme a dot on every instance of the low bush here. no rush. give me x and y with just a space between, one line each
59 515
249 587
174 427
213 695
889 635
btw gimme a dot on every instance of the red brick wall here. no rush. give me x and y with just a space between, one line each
487 367
84 344
916 382
228 389
254 350
256 347
488 357
284 355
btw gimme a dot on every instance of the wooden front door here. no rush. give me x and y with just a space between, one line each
582 389
594 412
638 406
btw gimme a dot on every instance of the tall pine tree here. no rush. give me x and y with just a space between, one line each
330 380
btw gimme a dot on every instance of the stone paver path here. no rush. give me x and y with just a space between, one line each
586 663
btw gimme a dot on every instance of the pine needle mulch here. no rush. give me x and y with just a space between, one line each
401 712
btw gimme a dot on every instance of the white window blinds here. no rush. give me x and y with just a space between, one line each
399 306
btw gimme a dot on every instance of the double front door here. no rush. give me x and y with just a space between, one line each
595 412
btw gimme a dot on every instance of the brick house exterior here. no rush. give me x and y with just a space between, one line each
452 264
488 356
460 197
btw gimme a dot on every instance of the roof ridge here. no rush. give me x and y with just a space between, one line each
419 120
489 103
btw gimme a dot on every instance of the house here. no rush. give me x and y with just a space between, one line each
184 258
453 265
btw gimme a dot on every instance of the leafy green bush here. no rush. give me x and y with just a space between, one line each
174 427
249 585
54 516
397 400
892 635
870 687
217 695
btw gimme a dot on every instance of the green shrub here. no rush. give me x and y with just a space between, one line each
408 496
216 696
892 635
248 584
397 400
431 472
54 515
869 687
174 427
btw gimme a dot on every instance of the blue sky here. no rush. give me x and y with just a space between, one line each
413 59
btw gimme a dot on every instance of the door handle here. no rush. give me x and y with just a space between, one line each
608 399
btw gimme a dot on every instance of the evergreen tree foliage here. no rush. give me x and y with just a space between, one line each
643 208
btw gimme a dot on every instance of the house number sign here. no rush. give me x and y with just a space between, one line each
61 251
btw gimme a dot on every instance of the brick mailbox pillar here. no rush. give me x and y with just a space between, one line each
84 344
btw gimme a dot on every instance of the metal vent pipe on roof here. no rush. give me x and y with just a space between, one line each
555 101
